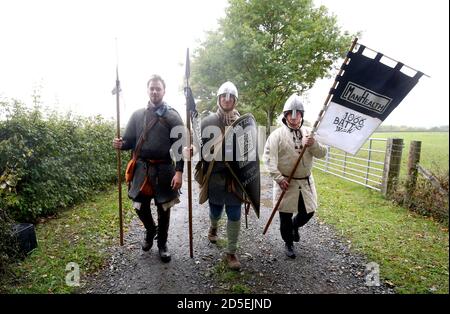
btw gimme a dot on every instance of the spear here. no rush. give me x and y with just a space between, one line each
188 95
116 92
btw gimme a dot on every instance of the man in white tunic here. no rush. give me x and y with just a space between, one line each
280 155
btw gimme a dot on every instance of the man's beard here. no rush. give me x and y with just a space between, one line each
157 101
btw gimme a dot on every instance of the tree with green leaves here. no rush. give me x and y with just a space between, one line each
269 49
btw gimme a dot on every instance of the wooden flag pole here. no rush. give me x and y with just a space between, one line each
302 152
189 162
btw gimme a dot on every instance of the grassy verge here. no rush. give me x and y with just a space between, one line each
80 235
412 251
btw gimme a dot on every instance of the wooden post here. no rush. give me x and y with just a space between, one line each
392 163
413 161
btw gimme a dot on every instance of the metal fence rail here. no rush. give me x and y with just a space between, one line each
365 168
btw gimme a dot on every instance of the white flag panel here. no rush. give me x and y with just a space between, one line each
345 129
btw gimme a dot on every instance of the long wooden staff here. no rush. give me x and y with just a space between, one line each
119 159
189 162
302 152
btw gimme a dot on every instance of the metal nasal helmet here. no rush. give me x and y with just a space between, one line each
227 89
295 105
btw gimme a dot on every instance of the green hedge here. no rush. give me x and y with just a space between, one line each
49 161
9 248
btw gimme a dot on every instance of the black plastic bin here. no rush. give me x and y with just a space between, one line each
26 236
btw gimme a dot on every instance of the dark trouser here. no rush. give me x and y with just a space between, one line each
145 215
287 224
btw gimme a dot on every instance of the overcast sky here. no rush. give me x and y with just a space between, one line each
68 48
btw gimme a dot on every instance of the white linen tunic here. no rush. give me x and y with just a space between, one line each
280 156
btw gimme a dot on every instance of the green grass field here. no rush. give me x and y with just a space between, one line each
435 149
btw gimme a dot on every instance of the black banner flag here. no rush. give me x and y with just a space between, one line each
367 92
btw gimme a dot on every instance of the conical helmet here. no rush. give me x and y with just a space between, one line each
293 104
228 89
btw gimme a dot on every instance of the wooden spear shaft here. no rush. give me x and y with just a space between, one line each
189 181
189 162
119 159
302 152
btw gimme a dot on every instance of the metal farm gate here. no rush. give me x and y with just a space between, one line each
375 165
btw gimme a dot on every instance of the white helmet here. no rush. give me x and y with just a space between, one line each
293 104
228 89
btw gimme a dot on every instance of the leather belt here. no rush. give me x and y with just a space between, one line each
158 161
305 178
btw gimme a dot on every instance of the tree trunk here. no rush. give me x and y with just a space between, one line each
269 121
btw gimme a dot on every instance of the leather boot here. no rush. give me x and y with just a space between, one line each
147 244
164 254
212 235
289 250
232 261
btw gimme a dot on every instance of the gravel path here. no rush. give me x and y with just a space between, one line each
325 262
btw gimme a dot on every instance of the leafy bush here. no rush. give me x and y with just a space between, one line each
49 161
427 200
